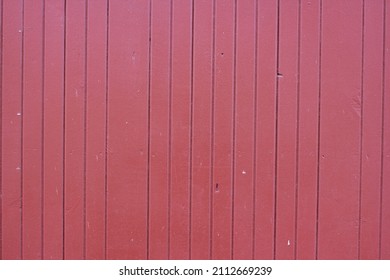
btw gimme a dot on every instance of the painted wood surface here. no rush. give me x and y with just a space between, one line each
186 129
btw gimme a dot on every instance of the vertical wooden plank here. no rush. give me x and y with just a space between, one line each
159 129
74 129
340 129
180 141
371 130
223 130
12 129
287 129
32 129
201 129
128 130
244 118
385 200
96 129
265 129
308 130
53 129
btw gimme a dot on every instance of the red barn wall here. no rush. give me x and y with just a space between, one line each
195 129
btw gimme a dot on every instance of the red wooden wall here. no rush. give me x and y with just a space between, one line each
195 129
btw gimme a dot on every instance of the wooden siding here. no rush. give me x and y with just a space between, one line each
195 129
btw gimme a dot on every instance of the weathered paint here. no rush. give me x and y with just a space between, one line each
210 129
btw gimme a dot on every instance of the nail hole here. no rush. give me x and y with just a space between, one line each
217 187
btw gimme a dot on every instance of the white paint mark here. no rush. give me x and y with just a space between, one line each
18 168
288 243
18 114
243 172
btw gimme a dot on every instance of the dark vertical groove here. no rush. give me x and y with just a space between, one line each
170 128
297 131
1 130
319 130
383 126
276 122
191 123
255 130
85 127
21 141
63 138
234 121
149 153
106 136
361 131
43 131
212 132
